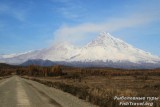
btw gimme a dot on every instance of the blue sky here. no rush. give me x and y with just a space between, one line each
35 24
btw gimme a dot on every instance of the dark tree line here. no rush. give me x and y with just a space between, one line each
72 72
6 70
34 70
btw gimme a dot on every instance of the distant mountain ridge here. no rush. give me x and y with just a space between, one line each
38 62
105 50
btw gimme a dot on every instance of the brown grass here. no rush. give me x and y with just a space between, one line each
100 90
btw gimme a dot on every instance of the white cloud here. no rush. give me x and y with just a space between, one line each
78 32
19 14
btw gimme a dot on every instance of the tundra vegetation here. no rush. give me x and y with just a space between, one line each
96 85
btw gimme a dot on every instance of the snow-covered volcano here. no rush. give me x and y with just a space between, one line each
105 48
58 52
109 48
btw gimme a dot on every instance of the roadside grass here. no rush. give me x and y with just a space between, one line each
100 90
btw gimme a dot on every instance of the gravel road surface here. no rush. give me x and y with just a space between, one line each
19 92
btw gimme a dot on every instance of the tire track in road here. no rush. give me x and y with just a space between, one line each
49 99
22 98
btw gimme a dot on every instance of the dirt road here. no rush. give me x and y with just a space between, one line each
19 92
